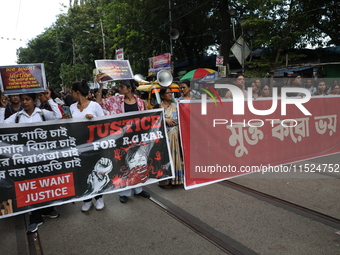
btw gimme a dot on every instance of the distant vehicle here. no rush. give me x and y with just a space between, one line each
150 90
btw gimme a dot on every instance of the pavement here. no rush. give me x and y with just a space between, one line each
203 220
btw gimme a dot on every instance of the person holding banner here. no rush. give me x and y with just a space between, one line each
84 108
238 82
321 89
264 90
128 102
185 88
30 114
171 119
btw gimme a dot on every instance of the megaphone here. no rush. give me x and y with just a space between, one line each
139 78
174 34
164 78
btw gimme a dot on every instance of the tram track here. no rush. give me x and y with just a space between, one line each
225 243
222 241
292 207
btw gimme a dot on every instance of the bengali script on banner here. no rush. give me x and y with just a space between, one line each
220 145
62 161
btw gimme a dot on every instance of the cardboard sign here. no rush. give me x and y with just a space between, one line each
114 69
23 78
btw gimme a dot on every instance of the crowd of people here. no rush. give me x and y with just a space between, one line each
82 102
317 87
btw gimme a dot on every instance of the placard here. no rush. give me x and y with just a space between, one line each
114 69
23 78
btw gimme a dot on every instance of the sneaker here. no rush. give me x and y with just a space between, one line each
86 206
144 194
52 215
123 199
99 204
33 227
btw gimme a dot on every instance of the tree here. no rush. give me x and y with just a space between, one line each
142 28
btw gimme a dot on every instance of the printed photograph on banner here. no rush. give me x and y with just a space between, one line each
114 69
23 78
53 163
258 126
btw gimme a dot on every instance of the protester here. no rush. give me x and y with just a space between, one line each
128 102
309 86
186 91
258 83
14 106
335 90
255 88
264 90
321 89
68 100
84 108
238 82
171 119
45 105
31 114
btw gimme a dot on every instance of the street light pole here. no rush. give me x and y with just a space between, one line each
103 38
73 49
241 21
243 57
170 21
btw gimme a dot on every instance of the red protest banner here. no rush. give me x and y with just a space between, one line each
35 191
24 78
221 145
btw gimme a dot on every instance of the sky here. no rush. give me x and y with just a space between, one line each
24 19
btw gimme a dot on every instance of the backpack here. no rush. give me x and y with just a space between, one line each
17 118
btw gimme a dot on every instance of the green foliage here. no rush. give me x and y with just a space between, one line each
92 29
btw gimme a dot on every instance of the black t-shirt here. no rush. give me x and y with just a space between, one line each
130 107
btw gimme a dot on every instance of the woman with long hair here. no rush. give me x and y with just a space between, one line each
321 89
185 88
31 114
88 109
335 90
264 91
171 120
127 102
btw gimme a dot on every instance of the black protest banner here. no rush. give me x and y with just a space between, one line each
57 162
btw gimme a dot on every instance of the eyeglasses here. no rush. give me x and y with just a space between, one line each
168 93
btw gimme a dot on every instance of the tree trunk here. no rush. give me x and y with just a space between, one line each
226 31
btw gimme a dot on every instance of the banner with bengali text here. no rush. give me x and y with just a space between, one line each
62 161
220 145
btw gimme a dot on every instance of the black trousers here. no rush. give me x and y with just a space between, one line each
36 216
